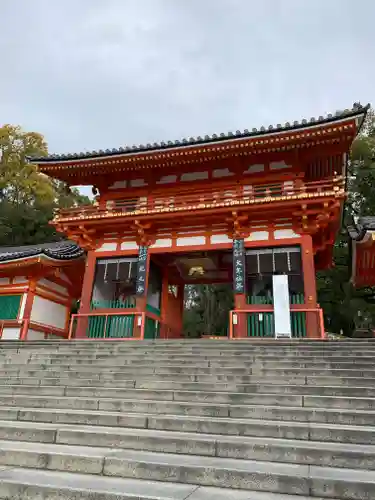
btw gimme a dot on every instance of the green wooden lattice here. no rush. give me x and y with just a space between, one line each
114 326
9 306
264 326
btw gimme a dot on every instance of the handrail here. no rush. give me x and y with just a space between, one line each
260 310
201 198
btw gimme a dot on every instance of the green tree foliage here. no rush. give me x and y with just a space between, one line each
28 198
207 309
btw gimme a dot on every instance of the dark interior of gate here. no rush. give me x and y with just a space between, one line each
174 279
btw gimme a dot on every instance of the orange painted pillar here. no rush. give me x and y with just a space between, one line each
240 330
181 305
87 288
309 281
164 305
27 310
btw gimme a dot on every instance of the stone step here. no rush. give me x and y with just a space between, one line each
246 474
184 342
293 395
210 370
293 451
21 483
203 471
348 431
108 417
240 356
190 403
147 381
233 371
30 484
201 363
162 389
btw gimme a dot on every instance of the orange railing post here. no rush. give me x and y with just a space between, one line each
321 321
71 324
24 329
231 325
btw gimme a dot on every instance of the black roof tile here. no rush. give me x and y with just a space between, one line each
63 250
355 110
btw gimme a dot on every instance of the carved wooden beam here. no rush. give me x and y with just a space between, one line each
238 226
144 235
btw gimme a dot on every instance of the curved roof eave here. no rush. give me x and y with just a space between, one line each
356 111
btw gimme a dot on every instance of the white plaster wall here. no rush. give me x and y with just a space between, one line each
20 279
138 183
256 167
192 240
129 245
53 286
22 306
194 176
285 233
162 243
11 333
46 312
258 236
167 179
34 335
222 172
277 165
107 246
220 238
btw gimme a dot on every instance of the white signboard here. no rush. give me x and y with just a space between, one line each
281 306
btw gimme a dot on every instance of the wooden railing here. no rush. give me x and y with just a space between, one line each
204 198
124 325
250 328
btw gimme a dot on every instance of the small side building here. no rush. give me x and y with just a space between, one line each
38 287
362 236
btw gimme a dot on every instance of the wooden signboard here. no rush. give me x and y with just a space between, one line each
239 266
141 271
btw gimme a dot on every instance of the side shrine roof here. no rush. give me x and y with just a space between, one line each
357 232
60 251
356 111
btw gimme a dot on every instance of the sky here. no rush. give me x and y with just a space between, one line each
98 74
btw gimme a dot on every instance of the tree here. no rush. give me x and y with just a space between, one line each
207 309
20 182
28 198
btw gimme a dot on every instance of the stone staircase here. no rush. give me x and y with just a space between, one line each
178 420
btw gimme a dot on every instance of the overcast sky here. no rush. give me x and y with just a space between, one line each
98 74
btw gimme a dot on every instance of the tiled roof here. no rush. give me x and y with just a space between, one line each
62 251
128 150
358 231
